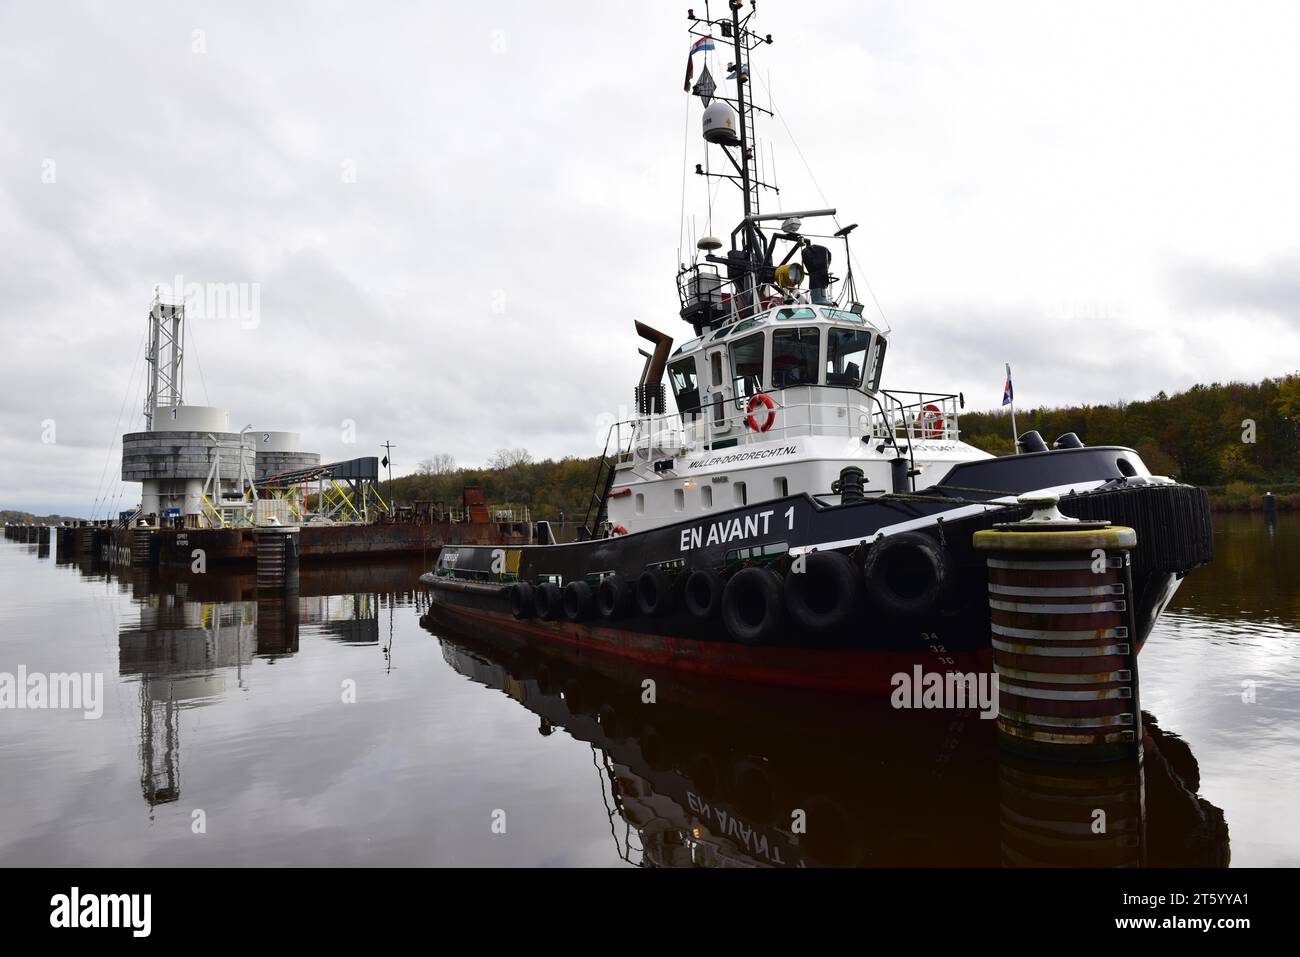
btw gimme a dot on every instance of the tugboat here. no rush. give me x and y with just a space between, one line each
795 522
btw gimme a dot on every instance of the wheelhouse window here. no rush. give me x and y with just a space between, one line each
795 315
747 365
843 315
877 364
686 386
794 356
715 367
846 356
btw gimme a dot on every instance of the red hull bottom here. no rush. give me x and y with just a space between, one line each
869 672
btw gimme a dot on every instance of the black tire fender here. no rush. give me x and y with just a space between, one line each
752 609
549 601
521 600
907 574
579 601
614 596
823 596
654 592
702 594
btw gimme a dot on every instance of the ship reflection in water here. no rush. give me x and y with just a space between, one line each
714 776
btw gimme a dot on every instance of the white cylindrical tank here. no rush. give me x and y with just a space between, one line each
280 452
277 442
190 418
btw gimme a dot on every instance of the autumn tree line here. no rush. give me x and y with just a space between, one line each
555 490
1237 439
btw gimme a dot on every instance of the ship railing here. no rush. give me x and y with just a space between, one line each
917 416
511 514
894 418
708 298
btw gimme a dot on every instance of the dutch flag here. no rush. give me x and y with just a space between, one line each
1008 396
699 46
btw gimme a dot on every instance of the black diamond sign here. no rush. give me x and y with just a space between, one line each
705 86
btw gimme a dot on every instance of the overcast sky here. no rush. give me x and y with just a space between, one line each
451 214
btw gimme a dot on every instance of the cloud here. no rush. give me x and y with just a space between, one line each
1271 289
454 215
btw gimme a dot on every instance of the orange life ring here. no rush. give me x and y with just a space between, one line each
929 421
761 398
617 530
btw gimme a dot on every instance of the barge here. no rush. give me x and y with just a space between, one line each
420 532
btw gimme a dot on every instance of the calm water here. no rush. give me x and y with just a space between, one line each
226 715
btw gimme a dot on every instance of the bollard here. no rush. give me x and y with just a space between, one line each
277 559
144 547
849 485
1064 644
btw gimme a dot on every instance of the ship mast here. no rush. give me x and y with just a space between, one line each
743 40
718 288
748 189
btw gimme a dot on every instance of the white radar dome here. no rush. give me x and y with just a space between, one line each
720 124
